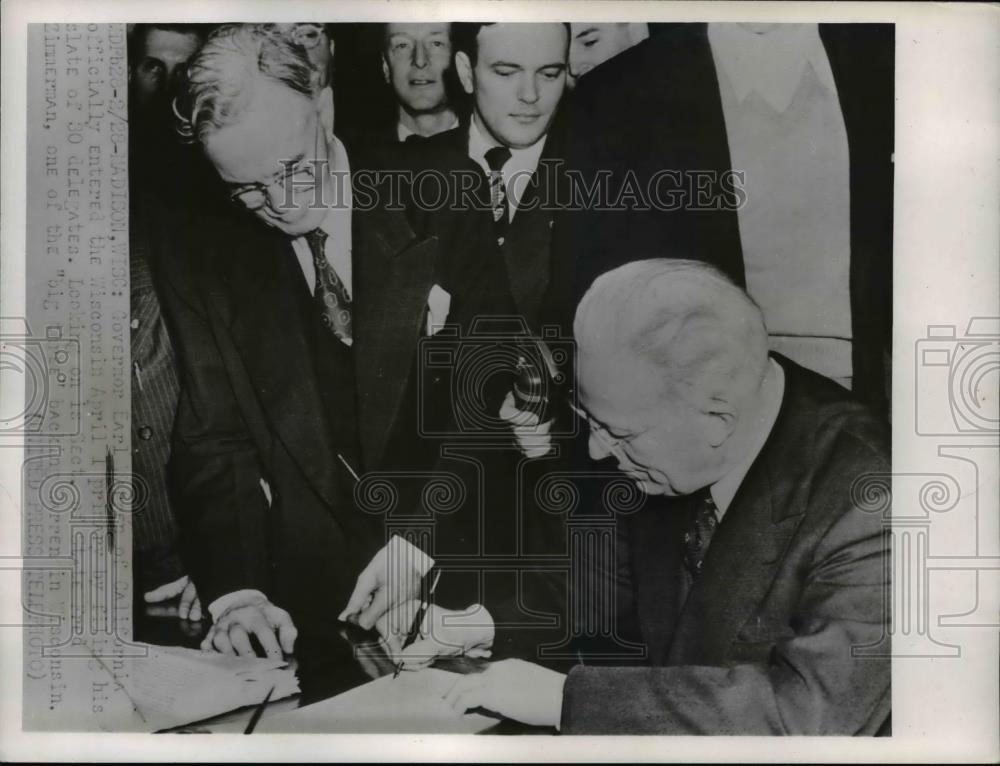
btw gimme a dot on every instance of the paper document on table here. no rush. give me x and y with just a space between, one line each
173 686
410 704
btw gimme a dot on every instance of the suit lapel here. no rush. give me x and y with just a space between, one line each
743 558
526 251
394 272
267 328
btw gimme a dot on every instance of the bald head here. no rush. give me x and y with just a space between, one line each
701 332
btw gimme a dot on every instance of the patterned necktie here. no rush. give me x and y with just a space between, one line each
699 533
496 158
330 294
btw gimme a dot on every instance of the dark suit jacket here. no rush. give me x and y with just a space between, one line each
793 584
650 109
527 247
252 408
862 58
155 390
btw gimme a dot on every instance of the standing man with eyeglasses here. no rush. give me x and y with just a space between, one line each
298 325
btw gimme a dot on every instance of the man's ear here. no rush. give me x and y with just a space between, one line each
721 417
385 70
463 67
324 107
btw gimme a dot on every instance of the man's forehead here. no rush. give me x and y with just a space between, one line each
530 45
271 129
170 43
616 382
416 29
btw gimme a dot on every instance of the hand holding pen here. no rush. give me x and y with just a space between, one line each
418 618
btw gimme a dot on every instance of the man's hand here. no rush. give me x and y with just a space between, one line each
271 625
189 607
533 438
513 688
443 633
392 576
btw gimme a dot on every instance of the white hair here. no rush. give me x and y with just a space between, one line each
222 74
705 334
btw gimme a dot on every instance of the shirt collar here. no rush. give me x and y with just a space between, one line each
337 223
769 63
523 159
724 490
403 132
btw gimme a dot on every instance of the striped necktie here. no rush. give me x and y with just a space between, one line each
496 158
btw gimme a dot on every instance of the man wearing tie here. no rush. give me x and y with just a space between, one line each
516 76
758 585
298 328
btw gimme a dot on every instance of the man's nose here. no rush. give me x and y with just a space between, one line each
419 56
578 68
527 89
278 195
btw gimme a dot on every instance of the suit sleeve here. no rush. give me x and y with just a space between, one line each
811 682
215 473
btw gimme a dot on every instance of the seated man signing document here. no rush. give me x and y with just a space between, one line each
757 584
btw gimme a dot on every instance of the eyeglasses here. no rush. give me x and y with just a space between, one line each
255 195
614 444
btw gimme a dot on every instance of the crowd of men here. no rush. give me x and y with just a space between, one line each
620 389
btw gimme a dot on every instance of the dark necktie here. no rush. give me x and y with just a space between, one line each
415 138
496 158
700 530
331 294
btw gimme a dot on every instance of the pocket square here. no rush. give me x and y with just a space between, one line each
438 304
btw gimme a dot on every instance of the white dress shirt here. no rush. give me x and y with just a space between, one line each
337 225
403 132
786 133
517 171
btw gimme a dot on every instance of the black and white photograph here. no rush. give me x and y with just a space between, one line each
433 372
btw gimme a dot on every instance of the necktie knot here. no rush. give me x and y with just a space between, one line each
703 523
497 157
415 138
316 239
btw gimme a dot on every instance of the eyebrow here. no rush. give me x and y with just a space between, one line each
585 32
